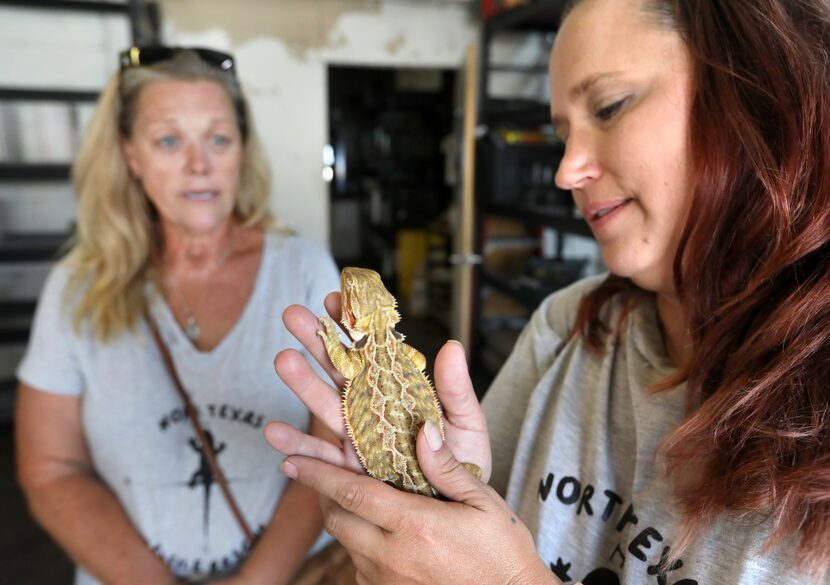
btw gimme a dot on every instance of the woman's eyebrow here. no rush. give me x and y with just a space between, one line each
581 89
583 86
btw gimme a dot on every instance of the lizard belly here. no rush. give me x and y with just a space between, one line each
384 407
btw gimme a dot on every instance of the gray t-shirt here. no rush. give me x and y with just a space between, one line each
142 444
574 436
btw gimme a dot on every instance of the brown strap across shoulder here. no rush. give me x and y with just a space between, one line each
200 433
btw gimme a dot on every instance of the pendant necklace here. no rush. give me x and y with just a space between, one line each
191 327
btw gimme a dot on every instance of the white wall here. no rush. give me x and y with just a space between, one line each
283 48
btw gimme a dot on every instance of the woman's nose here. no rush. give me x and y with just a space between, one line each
579 166
197 159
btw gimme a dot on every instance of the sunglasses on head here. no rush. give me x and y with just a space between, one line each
139 56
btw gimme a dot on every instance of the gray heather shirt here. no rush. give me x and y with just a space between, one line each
143 445
574 437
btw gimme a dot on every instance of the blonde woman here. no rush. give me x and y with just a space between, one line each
172 230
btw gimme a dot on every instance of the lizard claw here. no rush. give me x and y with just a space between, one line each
329 332
473 468
341 357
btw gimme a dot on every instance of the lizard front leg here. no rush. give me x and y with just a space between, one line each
347 361
414 355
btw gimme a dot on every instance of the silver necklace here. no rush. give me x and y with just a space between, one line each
191 327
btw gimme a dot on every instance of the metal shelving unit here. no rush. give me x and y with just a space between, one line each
536 15
533 18
142 17
16 171
52 95
34 172
71 5
563 223
31 248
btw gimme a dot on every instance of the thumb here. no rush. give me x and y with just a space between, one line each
449 477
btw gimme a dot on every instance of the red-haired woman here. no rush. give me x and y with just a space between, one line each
668 423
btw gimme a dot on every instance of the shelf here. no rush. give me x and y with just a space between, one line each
488 324
571 225
494 334
14 336
10 308
34 172
69 5
515 113
523 289
537 15
8 388
380 235
16 321
534 69
31 248
47 94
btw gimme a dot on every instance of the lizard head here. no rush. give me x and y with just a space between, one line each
363 295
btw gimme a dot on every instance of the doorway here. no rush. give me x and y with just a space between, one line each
391 170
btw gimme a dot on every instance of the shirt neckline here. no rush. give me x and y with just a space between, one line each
175 336
647 338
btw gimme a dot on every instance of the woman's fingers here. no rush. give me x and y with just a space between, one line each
445 473
360 495
466 426
290 441
360 536
304 325
320 398
333 306
455 389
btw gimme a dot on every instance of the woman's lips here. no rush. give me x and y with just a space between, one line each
205 195
602 212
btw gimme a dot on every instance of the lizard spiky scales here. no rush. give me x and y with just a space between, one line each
387 397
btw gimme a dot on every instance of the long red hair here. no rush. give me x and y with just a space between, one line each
753 271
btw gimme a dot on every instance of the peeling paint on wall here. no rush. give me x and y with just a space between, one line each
302 25
395 44
284 48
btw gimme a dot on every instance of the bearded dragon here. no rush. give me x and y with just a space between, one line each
387 396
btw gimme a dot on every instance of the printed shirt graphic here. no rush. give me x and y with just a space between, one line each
143 445
574 437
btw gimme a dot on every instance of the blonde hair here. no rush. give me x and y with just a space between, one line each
117 238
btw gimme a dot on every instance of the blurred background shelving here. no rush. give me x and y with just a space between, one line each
528 238
41 120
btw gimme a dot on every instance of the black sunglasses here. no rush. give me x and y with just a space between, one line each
138 56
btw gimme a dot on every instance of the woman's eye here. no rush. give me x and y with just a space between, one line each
606 113
167 141
219 140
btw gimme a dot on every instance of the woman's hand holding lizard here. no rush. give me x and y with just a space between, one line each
398 538
395 537
464 424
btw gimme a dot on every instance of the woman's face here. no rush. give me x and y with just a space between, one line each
187 150
621 91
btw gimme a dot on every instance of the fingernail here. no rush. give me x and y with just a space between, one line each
458 343
288 470
433 434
